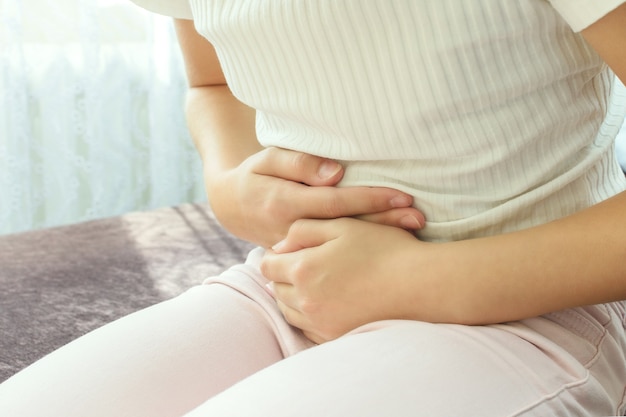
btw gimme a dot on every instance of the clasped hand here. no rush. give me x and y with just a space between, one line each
332 274
261 198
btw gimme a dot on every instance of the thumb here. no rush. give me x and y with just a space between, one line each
298 166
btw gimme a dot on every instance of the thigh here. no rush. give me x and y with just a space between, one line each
403 368
162 361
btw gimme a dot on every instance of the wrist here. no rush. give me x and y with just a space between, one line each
426 292
446 286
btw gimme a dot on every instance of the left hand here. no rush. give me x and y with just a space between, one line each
331 276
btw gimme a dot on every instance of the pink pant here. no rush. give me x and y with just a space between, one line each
219 350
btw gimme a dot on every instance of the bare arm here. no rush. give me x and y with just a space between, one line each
608 38
222 127
330 277
575 261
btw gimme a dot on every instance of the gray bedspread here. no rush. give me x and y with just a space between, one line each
57 284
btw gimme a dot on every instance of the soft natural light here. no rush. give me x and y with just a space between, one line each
91 93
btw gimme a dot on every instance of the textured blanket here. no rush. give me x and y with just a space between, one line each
59 283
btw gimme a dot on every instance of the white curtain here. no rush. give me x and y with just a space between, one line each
91 113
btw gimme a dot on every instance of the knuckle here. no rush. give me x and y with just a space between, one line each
310 307
263 160
268 204
299 161
300 270
269 152
265 268
332 208
272 203
377 201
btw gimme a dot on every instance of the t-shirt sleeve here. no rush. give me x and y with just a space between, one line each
582 13
175 8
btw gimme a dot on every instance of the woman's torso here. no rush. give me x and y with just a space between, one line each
490 113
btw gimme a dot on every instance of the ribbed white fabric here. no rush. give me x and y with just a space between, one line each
491 113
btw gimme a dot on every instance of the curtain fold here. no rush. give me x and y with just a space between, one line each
91 113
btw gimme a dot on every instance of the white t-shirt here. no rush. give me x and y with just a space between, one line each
495 115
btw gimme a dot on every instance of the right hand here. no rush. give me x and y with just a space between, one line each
261 198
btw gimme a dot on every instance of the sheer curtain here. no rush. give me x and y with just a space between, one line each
91 119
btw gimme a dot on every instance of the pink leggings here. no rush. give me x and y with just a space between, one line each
222 349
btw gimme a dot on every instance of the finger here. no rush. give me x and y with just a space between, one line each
303 234
285 294
298 320
284 267
408 218
289 260
277 269
333 202
297 166
292 316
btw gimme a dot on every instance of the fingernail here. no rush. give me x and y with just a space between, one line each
411 222
328 169
278 246
401 201
270 288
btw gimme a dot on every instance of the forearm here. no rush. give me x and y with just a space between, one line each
578 260
223 132
575 261
221 126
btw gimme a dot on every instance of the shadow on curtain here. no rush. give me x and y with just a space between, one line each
91 113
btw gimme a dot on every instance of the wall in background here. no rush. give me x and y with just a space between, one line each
91 113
